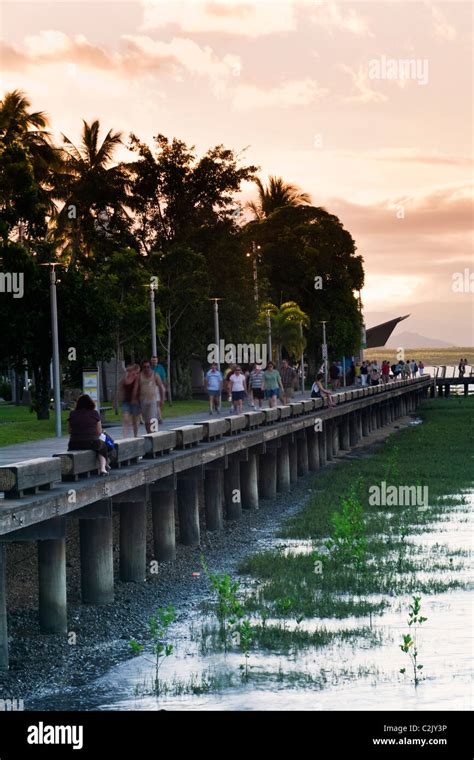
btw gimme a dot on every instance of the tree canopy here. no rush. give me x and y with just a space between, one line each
168 214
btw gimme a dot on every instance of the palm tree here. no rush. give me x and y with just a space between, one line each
286 321
20 125
277 194
93 191
15 119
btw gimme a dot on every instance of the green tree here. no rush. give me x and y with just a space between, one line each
286 323
185 219
276 194
94 217
308 257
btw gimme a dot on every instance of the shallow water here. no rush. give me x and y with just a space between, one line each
349 674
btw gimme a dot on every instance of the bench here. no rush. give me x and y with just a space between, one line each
159 443
237 423
296 408
213 429
77 463
20 478
127 451
284 412
254 419
271 415
188 435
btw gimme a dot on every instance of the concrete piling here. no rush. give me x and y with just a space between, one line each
52 585
233 498
97 561
188 510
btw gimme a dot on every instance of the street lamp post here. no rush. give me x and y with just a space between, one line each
302 358
254 255
153 287
325 353
54 330
269 336
216 330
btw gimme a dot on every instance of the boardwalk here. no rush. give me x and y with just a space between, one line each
20 452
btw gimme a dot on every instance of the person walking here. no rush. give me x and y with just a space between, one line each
127 391
150 390
357 375
421 367
85 429
272 384
385 371
288 378
319 391
462 367
227 385
374 374
213 382
334 375
237 387
160 370
255 385
364 374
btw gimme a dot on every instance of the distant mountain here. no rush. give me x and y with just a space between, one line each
411 340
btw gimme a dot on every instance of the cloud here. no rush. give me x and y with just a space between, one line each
330 17
236 17
52 46
137 54
416 156
445 211
442 29
297 92
183 54
363 90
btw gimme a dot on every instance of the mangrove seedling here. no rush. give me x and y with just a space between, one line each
245 632
229 609
409 645
158 626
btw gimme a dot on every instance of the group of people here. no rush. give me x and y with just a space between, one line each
256 385
462 367
374 373
142 392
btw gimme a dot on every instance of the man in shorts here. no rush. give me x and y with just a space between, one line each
288 378
213 382
272 384
255 385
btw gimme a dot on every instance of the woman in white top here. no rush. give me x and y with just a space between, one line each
237 386
150 390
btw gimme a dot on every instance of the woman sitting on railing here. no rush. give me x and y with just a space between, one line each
85 430
319 391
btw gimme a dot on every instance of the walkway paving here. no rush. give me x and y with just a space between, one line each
46 447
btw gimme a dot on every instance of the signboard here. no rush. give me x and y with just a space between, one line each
90 384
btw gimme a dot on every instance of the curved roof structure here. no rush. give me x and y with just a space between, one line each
377 336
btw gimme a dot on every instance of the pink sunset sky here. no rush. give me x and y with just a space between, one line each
313 91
